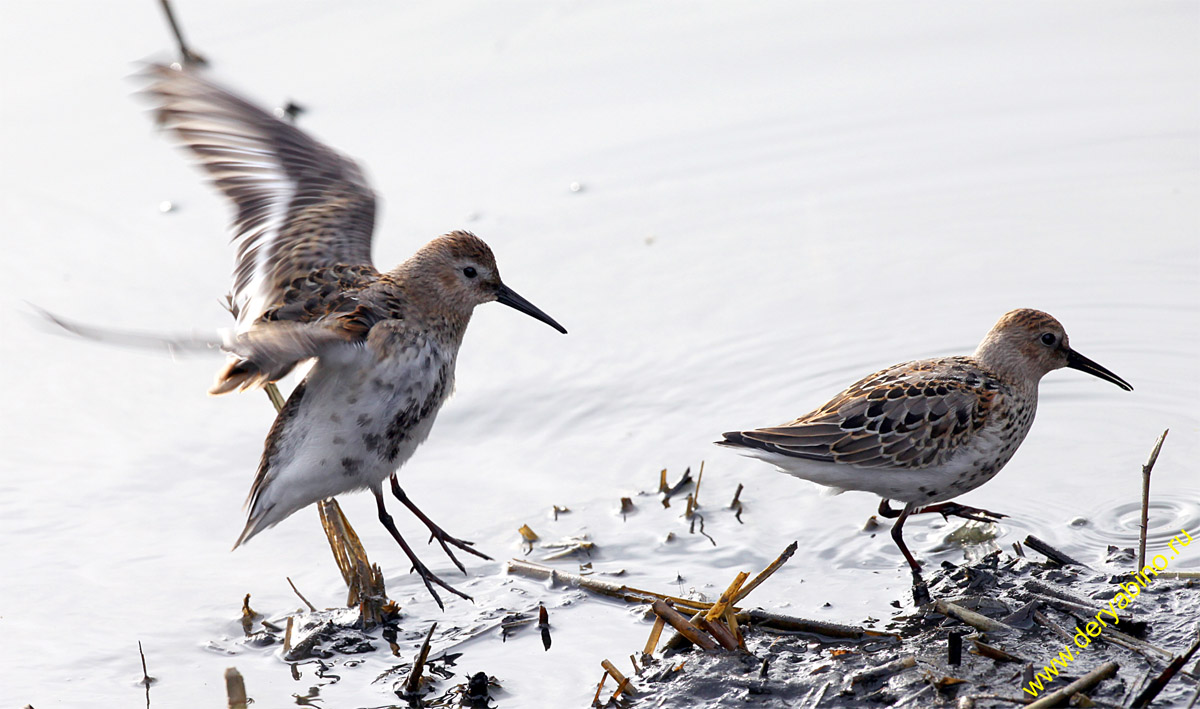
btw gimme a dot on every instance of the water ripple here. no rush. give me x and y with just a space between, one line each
1119 523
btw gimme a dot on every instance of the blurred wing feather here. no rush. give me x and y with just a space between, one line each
299 205
268 351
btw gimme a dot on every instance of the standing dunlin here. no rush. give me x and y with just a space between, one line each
385 344
924 432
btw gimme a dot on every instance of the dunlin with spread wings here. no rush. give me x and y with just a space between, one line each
384 343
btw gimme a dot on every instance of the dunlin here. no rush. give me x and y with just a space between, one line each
384 344
926 431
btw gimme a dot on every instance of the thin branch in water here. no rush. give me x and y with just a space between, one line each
301 595
147 680
287 635
696 490
1146 469
599 688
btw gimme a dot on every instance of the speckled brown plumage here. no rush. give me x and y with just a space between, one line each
912 415
926 431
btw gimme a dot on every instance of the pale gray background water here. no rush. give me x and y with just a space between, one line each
775 201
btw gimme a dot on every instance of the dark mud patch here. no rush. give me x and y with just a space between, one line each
1033 610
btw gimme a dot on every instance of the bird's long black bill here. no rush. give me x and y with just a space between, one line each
1083 364
509 297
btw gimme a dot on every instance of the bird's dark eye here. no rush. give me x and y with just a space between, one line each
469 272
1049 339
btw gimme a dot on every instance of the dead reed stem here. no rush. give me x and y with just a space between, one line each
1083 684
364 580
719 631
412 685
722 604
683 625
732 622
971 618
803 625
287 635
1050 552
623 683
604 588
655 634
1146 469
235 689
766 573
599 688
301 595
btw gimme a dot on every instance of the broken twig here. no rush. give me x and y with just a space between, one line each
722 604
995 653
803 625
311 608
1050 552
766 573
681 624
655 634
971 618
883 671
604 588
623 683
719 631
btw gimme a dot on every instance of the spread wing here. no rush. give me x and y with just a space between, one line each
299 204
912 415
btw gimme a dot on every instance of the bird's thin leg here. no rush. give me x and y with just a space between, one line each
436 532
424 572
885 510
920 589
948 509
898 537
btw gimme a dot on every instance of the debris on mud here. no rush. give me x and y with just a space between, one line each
1030 630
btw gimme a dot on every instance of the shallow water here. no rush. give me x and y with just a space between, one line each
773 202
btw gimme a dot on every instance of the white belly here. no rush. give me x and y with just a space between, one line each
359 419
